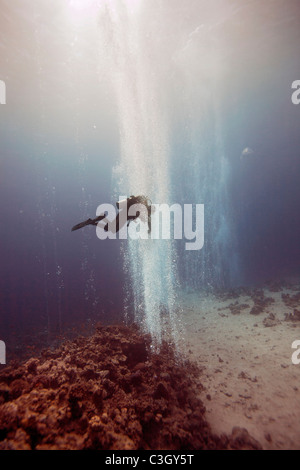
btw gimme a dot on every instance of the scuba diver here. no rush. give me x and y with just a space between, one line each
128 203
124 204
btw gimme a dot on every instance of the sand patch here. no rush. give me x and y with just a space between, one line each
249 378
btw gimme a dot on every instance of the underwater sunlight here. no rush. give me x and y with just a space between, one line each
150 263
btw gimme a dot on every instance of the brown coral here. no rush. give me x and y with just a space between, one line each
105 392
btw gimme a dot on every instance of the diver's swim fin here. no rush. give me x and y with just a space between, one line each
88 222
81 225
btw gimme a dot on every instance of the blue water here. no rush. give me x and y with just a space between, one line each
160 98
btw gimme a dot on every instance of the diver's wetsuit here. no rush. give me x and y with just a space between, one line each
129 219
140 200
130 202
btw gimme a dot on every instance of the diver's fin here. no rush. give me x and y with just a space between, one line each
81 225
88 222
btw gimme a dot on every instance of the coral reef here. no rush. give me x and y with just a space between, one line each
108 391
271 320
260 302
291 301
236 308
295 316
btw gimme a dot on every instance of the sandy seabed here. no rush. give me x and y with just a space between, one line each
243 341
